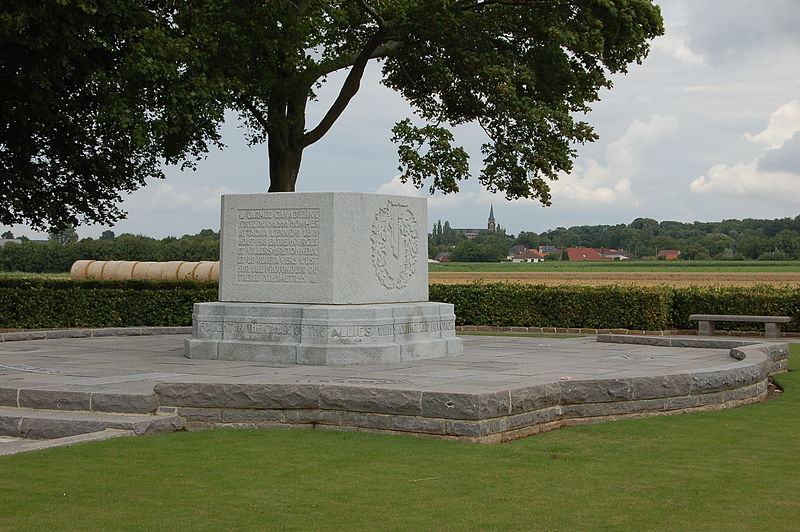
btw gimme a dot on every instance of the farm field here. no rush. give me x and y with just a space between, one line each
752 266
740 273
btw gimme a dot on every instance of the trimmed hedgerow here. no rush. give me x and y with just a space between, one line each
762 300
609 307
56 303
598 307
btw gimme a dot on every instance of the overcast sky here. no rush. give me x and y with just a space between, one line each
708 128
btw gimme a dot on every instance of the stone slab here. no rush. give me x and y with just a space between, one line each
325 335
50 424
501 388
22 445
323 248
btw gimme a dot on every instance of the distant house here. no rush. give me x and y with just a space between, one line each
544 250
444 256
515 250
669 254
529 255
584 254
614 254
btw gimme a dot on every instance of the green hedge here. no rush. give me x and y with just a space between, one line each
56 303
508 304
642 308
760 300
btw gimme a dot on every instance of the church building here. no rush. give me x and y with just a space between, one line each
490 226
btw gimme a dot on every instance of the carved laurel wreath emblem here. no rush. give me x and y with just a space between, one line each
395 245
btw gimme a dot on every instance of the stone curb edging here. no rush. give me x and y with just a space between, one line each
626 332
91 333
149 331
483 417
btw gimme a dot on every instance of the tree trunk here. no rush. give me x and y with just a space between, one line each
284 165
284 140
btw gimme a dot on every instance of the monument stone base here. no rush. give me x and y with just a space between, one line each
287 333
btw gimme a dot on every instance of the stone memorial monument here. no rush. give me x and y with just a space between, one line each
324 278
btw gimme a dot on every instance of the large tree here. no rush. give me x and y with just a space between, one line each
97 95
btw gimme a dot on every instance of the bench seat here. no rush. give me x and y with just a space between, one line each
771 327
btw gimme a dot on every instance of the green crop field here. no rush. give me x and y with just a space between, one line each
732 470
621 266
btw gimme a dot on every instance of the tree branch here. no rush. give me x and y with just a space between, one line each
257 114
383 50
349 88
372 13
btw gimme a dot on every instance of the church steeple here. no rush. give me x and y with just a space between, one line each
492 226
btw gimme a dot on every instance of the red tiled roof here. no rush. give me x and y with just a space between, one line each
584 254
669 254
528 254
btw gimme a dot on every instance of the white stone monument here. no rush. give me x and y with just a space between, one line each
325 278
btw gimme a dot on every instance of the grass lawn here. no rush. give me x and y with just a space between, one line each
27 275
728 470
676 266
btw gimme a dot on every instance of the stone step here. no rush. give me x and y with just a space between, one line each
93 401
11 445
51 424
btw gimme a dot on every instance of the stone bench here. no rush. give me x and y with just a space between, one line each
771 327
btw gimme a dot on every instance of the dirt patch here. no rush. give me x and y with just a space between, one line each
779 279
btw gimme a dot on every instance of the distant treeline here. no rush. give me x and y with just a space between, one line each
644 237
58 254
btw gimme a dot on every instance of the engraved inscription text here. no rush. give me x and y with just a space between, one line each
277 246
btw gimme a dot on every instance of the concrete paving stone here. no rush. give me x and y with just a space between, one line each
465 406
370 400
8 396
238 395
21 445
680 403
526 419
535 397
55 399
466 428
235 415
68 333
9 424
497 425
326 417
23 336
208 415
662 386
595 391
419 424
127 403
367 421
714 381
38 428
117 331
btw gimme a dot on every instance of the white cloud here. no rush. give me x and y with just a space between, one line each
396 187
782 125
752 179
745 179
610 181
205 199
438 200
675 45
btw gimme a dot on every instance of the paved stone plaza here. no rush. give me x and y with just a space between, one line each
501 388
